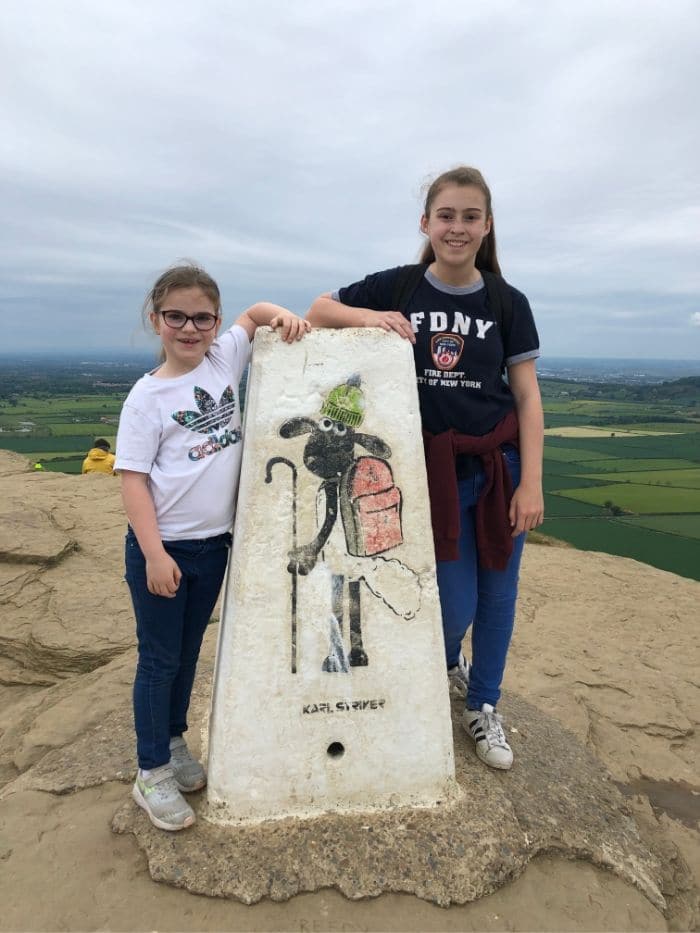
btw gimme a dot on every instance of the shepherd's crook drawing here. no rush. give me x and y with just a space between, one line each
268 479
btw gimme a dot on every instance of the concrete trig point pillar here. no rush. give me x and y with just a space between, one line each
330 690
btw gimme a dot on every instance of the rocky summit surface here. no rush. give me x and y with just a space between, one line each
602 704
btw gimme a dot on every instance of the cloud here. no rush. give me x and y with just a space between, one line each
695 318
285 150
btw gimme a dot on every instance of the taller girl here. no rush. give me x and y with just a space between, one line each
483 432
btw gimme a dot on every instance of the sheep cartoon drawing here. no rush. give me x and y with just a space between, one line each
361 489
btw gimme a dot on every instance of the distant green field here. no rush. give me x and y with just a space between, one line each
686 446
594 407
572 453
687 479
678 554
637 498
69 405
26 444
684 525
656 476
554 419
551 483
55 456
679 427
561 468
556 505
623 465
68 465
89 430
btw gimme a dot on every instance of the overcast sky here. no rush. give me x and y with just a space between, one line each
283 145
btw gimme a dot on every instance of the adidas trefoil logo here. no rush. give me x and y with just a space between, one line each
210 417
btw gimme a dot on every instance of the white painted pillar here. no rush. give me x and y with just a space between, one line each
330 688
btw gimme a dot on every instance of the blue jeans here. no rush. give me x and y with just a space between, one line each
170 632
484 599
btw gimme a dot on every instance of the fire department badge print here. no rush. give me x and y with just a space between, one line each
446 349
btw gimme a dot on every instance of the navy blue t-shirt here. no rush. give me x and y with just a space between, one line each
459 348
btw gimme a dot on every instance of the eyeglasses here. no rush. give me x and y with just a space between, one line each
202 320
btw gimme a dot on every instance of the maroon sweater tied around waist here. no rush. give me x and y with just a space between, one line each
493 531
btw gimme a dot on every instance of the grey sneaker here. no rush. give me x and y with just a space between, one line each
484 726
458 677
188 772
159 796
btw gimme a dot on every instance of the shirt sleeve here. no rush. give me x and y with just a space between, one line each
235 347
521 341
138 439
375 291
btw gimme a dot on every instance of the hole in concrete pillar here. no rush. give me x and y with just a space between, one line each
336 750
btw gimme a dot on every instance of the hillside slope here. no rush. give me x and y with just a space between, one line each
606 645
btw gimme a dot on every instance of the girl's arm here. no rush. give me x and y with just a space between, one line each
327 312
527 504
265 313
162 573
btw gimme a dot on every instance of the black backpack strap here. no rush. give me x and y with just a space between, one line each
501 304
407 281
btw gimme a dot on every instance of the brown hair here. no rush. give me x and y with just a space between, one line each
464 175
187 275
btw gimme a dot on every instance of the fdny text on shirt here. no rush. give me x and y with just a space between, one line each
462 323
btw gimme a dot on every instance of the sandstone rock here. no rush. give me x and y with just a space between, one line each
606 646
64 605
557 797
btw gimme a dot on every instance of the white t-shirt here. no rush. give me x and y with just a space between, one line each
185 433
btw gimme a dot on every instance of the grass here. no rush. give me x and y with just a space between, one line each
618 536
67 465
656 476
628 464
568 454
587 430
687 526
685 479
552 482
637 498
670 446
557 505
50 446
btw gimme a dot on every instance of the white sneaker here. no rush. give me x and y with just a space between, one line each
458 677
188 773
159 796
484 726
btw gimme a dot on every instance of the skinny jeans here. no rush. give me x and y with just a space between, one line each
482 599
169 633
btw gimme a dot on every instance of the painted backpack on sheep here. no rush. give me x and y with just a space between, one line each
370 502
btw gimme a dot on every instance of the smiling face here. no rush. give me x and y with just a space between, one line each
185 347
456 226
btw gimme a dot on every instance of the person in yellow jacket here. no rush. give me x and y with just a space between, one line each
99 458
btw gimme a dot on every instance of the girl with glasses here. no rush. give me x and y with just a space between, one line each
179 455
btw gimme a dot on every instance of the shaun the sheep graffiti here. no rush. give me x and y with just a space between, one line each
356 492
